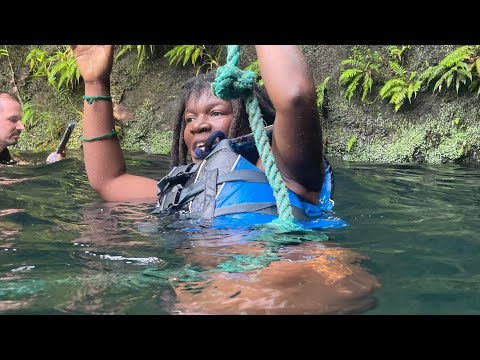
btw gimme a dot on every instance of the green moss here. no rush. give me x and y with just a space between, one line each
135 132
161 142
403 148
432 142
140 135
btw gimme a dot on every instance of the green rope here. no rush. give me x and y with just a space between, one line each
231 83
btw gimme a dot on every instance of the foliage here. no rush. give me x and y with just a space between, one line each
60 68
351 142
362 64
199 55
459 123
255 67
141 52
396 54
401 86
4 52
453 66
474 66
28 113
321 90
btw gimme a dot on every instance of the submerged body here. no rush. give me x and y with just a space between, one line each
288 101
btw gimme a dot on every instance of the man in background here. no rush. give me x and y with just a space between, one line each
10 128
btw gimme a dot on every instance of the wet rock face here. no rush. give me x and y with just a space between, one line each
149 95
122 113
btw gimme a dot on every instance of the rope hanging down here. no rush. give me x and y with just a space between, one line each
231 83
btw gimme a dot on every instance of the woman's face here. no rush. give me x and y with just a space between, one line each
204 115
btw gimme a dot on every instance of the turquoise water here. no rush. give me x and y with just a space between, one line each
410 248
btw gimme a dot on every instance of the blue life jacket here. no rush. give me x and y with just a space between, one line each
227 188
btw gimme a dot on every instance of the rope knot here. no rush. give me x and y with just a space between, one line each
231 82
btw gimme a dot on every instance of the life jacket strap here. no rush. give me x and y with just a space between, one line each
234 175
210 193
179 174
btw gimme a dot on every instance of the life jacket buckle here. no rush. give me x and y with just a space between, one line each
177 189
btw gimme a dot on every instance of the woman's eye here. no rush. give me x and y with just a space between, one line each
216 113
188 120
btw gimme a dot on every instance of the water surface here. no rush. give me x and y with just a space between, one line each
410 248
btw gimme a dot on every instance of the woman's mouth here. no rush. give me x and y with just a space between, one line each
201 149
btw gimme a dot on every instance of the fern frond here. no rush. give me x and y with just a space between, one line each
351 62
348 74
388 87
321 92
459 54
449 79
123 49
464 73
437 71
461 78
188 51
398 98
444 77
141 53
195 55
410 91
413 89
397 69
367 85
393 91
474 84
374 67
352 86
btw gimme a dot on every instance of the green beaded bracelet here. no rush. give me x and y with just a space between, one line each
91 99
100 137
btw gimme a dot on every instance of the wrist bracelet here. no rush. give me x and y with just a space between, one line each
100 137
91 99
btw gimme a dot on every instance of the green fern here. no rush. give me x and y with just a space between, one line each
400 87
452 69
141 52
361 64
199 55
396 54
321 89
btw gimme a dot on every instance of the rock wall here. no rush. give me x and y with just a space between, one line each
434 128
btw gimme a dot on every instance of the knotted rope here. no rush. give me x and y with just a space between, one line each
231 83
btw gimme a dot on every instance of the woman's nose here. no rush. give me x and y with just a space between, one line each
200 124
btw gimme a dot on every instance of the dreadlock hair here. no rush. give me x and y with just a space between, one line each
200 84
